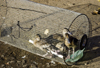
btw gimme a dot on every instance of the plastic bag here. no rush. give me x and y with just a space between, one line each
76 56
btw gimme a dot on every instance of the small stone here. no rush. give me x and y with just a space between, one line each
12 27
24 65
34 24
73 3
23 61
40 65
2 65
24 56
73 66
14 54
32 66
18 61
2 56
17 64
85 64
35 62
3 17
12 58
42 58
7 63
52 62
47 65
11 61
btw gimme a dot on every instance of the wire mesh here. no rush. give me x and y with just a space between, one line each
22 25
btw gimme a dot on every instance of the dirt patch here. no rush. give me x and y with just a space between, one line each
11 57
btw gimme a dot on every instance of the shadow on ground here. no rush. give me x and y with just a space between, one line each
93 48
91 54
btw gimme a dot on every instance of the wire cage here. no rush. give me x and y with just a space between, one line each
22 25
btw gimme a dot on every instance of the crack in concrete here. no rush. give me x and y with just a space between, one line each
28 10
25 9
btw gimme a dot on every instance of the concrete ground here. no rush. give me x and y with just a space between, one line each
8 14
66 3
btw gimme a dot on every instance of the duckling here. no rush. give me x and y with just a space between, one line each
60 46
42 44
58 37
70 42
58 40
65 30
56 51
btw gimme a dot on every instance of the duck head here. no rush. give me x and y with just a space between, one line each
38 37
